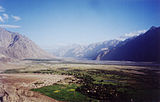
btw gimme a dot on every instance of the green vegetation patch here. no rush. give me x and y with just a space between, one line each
10 71
101 84
64 93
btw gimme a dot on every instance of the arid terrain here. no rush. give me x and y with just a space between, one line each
16 87
19 78
80 51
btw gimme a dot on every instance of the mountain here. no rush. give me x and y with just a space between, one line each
14 45
88 51
92 50
74 50
145 47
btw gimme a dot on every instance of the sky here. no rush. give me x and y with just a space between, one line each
51 23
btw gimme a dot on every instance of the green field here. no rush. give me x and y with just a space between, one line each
113 83
64 93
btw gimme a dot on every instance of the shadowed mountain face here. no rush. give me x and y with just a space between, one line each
93 49
87 52
14 45
145 47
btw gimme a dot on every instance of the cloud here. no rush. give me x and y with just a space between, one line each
9 26
135 33
1 19
2 9
5 16
132 34
16 18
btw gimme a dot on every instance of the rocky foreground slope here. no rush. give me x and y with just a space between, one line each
16 87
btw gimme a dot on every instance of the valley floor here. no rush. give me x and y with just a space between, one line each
16 87
46 81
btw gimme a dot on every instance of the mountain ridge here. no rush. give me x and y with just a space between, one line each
87 51
145 47
15 45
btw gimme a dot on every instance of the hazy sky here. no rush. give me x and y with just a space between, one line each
56 22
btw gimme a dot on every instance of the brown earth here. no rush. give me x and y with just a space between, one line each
16 87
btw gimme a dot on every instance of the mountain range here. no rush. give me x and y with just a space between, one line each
17 46
142 47
91 51
145 47
85 51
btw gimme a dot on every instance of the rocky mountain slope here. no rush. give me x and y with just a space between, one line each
145 47
92 51
14 45
88 51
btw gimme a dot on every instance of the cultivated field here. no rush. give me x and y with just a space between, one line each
79 81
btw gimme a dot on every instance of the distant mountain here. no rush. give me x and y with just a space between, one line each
145 47
14 45
67 50
92 50
88 51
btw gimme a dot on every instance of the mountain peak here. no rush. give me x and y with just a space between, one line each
141 48
14 45
153 28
